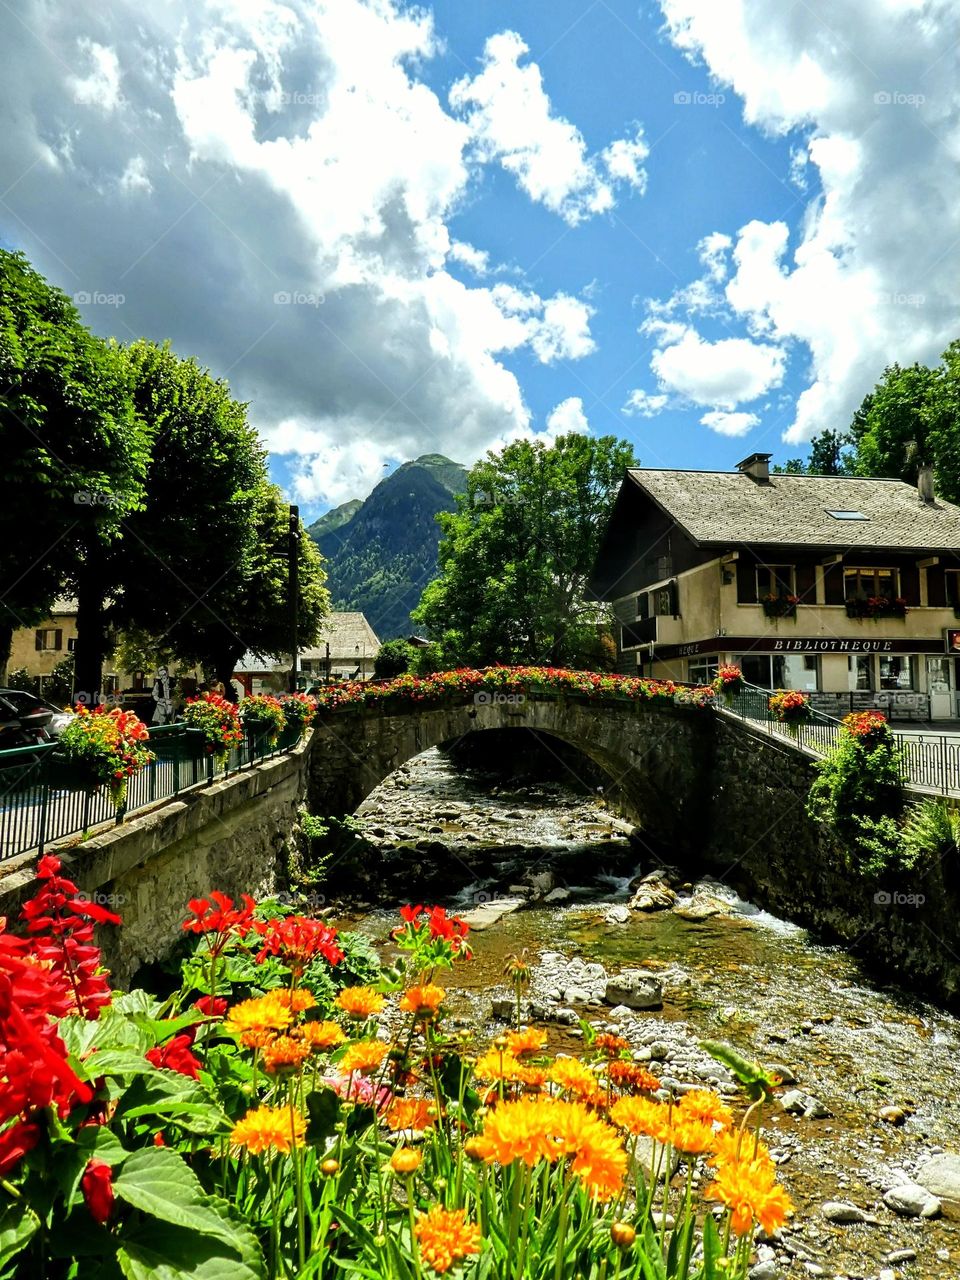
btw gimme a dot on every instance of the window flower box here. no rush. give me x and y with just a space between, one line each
877 607
780 606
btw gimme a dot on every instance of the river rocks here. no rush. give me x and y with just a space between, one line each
557 895
911 1200
842 1212
636 989
798 1103
653 893
617 915
765 1271
702 905
941 1177
892 1115
488 913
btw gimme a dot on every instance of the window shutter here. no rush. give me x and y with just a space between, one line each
675 598
643 606
38 640
58 639
746 581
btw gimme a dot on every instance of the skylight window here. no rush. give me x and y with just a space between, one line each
847 515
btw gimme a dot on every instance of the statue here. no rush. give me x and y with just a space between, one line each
163 711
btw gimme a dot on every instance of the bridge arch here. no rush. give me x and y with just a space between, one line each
657 757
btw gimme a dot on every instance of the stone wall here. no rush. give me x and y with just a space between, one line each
231 836
760 839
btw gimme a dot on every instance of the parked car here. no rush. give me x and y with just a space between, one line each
34 715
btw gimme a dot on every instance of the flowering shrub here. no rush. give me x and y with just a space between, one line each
105 748
216 717
263 713
298 710
278 1128
866 724
531 681
728 682
877 607
790 707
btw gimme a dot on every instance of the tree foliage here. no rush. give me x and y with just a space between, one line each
516 554
394 657
829 456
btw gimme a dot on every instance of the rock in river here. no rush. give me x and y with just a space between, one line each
842 1212
636 989
941 1177
489 913
912 1201
803 1104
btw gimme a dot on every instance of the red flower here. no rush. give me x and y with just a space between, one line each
175 1055
297 940
217 915
97 1187
15 1142
211 1006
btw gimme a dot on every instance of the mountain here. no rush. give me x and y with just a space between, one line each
381 552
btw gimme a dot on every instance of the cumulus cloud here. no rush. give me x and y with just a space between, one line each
729 424
301 182
568 416
512 121
724 373
872 89
645 404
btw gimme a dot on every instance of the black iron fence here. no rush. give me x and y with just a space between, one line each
42 799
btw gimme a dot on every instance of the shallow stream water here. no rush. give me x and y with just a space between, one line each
759 983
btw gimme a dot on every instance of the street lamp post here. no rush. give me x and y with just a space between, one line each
293 562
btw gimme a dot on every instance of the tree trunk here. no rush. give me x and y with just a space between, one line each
224 665
91 632
6 644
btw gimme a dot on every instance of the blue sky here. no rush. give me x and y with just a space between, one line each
703 225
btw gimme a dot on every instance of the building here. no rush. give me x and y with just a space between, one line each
846 588
346 650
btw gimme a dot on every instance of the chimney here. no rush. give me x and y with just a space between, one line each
925 484
757 467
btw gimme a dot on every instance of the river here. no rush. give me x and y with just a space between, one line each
474 839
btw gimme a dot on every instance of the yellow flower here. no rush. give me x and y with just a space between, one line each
692 1137
518 1130
363 1056
321 1035
410 1113
599 1160
284 1051
494 1065
734 1146
750 1191
642 1116
258 1021
423 1001
444 1236
529 1041
405 1161
269 1129
296 1000
706 1106
360 1002
573 1077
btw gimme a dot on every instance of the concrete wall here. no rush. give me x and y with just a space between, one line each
231 836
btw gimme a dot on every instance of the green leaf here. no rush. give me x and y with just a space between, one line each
168 1095
757 1082
160 1251
18 1226
323 1110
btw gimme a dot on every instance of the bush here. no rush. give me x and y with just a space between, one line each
20 680
932 829
859 793
394 658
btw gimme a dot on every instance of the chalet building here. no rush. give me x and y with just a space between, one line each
846 588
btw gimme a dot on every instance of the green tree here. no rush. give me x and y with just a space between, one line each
891 428
516 554
74 456
394 657
829 456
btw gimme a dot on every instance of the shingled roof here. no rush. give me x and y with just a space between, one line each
728 506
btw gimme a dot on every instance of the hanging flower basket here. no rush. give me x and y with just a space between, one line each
780 606
298 712
263 715
102 748
218 721
728 682
790 707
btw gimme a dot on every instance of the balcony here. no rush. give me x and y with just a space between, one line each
634 634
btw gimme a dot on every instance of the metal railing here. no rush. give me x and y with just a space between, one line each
42 799
928 760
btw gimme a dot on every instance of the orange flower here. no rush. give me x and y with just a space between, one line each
360 1002
296 1000
423 1001
642 1116
517 1131
692 1137
269 1129
444 1236
320 1035
363 1056
599 1160
627 1075
494 1065
572 1076
258 1021
405 1161
734 1146
410 1113
706 1106
284 1052
523 1042
610 1045
750 1191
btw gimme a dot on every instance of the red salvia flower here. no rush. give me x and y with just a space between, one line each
15 1142
97 1187
175 1055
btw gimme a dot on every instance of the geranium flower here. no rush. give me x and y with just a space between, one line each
218 917
175 1055
297 941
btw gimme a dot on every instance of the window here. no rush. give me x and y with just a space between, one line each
897 672
775 580
48 638
701 670
781 670
859 584
71 644
847 515
860 673
952 579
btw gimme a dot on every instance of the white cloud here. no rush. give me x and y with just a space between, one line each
566 417
729 424
712 252
723 373
478 260
101 86
871 278
511 120
564 331
135 177
645 404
